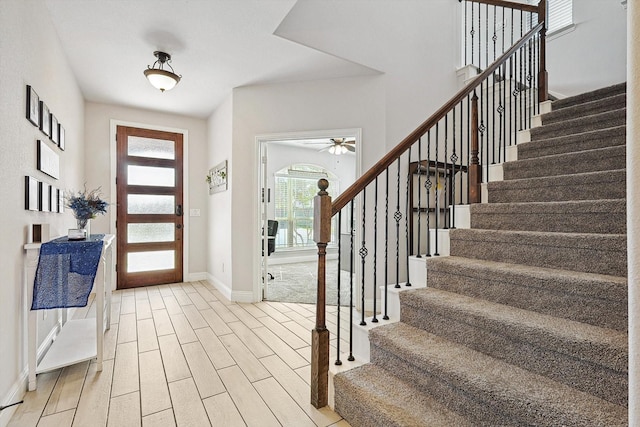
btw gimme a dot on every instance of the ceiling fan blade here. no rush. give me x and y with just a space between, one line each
349 147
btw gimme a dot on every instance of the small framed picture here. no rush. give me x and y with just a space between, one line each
60 201
45 119
54 129
48 160
45 192
31 196
60 136
53 198
33 106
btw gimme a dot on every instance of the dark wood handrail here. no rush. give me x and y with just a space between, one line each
509 4
354 189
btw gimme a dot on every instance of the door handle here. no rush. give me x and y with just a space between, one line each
179 210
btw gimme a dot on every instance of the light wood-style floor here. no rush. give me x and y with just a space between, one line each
183 355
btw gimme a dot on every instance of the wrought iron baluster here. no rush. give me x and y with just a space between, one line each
468 146
386 246
406 215
375 250
445 176
454 159
466 61
472 32
486 34
398 216
427 186
479 38
419 173
481 129
363 250
437 178
351 265
338 335
495 35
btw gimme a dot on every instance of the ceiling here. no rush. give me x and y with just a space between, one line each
216 45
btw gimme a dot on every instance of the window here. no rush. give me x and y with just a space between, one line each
295 188
560 15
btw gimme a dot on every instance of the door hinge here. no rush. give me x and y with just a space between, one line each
116 268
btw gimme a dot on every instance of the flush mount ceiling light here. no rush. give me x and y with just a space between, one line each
159 77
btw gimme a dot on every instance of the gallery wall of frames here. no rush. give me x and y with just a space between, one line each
41 195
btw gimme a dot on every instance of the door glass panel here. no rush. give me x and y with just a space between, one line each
150 261
152 232
150 204
150 147
153 176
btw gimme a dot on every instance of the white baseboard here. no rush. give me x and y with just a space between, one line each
230 294
196 277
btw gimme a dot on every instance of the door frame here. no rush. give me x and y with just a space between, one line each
260 142
185 182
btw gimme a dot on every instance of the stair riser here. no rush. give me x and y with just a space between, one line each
591 96
573 143
596 107
480 410
561 222
358 413
593 254
534 295
487 338
587 124
558 189
581 162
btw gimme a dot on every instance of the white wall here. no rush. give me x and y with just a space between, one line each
219 254
31 54
593 55
98 169
259 110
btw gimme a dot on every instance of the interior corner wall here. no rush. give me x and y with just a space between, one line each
219 265
593 55
98 168
357 102
31 55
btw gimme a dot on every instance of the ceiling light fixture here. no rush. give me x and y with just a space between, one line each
159 77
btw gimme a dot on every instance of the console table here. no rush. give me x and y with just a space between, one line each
78 339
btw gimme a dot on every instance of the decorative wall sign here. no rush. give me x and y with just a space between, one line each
60 136
53 134
217 178
45 119
33 106
44 193
48 160
31 197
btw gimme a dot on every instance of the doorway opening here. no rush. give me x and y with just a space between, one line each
290 167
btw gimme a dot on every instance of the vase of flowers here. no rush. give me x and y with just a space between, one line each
85 206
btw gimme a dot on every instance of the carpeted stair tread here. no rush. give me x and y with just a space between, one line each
605 92
600 138
595 299
481 387
580 216
589 253
582 186
601 346
371 396
613 102
605 120
599 159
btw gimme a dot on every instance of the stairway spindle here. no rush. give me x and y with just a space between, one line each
427 186
398 216
375 250
419 173
386 246
363 250
338 361
351 265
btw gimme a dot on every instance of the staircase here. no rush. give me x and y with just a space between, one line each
526 322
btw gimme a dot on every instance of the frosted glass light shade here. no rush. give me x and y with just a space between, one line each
161 79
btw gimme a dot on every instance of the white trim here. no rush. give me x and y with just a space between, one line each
220 286
114 123
260 142
561 32
196 277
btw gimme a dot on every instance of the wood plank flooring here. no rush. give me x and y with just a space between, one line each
183 355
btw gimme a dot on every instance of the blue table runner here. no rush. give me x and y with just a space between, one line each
66 271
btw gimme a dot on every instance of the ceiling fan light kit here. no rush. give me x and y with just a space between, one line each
159 77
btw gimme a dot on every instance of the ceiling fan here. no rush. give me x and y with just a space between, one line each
337 146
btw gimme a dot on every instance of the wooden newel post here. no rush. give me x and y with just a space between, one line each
320 334
475 169
543 76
